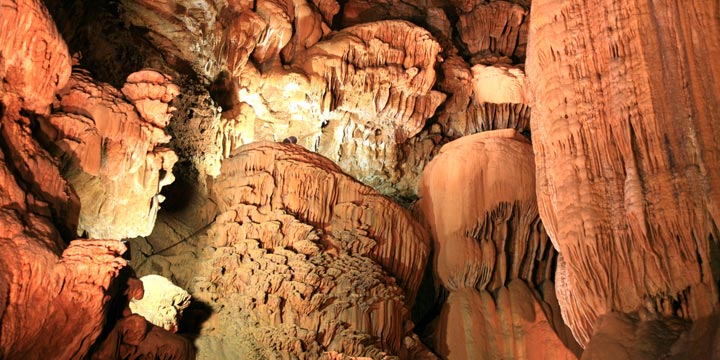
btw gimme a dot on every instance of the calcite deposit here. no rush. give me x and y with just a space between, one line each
55 293
626 154
302 259
35 60
360 179
46 287
354 95
162 303
109 143
493 28
490 250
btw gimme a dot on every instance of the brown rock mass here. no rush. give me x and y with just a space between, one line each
109 143
624 130
272 131
491 251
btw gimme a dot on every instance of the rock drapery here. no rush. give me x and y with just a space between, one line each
490 250
624 133
624 98
302 259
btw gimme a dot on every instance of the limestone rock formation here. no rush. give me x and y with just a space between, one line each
59 295
379 78
368 11
493 28
626 154
28 85
162 304
302 259
619 336
490 250
110 146
44 290
286 256
133 338
499 84
647 336
54 296
35 60
355 95
201 136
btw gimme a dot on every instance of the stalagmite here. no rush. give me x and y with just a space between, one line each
491 251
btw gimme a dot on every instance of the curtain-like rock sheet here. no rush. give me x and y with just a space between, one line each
625 136
490 251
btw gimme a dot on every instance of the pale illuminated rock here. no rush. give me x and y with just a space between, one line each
499 84
163 302
111 148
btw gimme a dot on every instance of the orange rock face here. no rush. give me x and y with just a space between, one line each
45 291
493 28
44 295
54 297
626 154
491 251
110 143
302 259
27 32
284 255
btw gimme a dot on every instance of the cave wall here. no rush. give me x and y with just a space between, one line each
624 129
361 178
47 287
